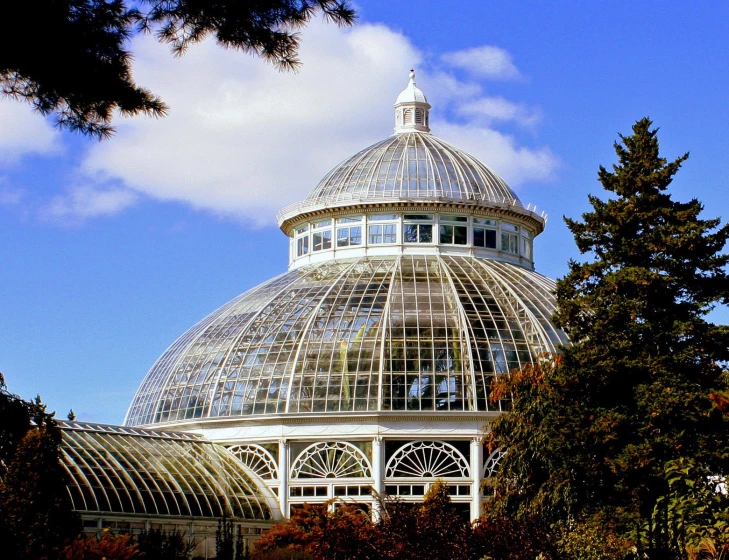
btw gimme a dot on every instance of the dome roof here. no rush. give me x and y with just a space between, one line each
423 333
411 93
410 166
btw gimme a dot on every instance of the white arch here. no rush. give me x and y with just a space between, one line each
492 463
331 460
256 458
427 459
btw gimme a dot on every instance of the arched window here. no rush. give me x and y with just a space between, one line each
257 459
427 459
492 463
408 116
331 460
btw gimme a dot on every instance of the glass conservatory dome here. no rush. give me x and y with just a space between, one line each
411 287
369 365
408 333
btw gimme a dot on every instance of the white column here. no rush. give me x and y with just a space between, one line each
476 469
378 471
283 476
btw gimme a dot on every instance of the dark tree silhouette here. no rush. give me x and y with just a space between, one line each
35 515
69 58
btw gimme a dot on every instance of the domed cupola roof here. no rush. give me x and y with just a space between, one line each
412 93
412 166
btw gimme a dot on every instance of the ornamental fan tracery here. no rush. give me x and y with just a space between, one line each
331 460
427 459
257 459
492 463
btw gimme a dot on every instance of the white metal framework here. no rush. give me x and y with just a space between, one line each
421 332
331 460
258 459
492 462
370 364
428 460
150 474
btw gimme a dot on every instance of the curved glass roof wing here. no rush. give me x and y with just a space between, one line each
120 470
411 333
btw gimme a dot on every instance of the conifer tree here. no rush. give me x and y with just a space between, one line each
643 384
35 514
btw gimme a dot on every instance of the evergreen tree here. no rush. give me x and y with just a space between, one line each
70 58
158 544
35 515
643 384
224 543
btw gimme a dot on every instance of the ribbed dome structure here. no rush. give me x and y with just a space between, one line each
412 166
374 334
370 363
406 167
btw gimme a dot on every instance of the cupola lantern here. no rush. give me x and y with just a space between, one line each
412 109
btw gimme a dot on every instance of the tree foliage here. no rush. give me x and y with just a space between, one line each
592 431
164 545
110 546
433 529
70 58
35 516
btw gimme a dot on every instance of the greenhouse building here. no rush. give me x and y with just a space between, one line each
368 365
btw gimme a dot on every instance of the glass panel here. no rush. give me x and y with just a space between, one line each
349 236
375 235
510 227
453 235
418 216
509 242
485 222
302 229
410 233
381 217
322 240
349 220
484 238
526 247
425 233
447 218
417 233
302 246
446 234
322 224
389 233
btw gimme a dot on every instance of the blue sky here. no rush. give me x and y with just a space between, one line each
111 251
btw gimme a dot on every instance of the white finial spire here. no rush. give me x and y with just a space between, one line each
412 109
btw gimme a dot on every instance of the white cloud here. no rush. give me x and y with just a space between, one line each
517 164
244 140
23 132
499 109
8 196
484 62
87 200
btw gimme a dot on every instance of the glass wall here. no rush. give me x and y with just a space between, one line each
410 229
